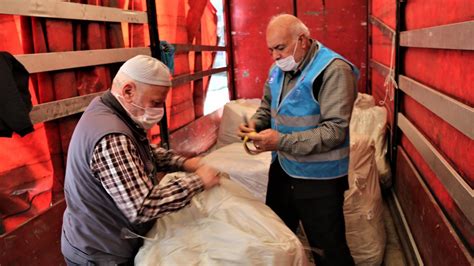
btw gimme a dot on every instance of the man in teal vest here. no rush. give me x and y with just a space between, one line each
304 120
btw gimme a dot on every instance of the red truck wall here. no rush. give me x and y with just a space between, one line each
441 230
339 24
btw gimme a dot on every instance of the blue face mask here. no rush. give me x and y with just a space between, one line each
288 63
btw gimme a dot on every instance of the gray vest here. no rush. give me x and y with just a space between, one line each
92 223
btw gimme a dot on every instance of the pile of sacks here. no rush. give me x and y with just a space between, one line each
368 169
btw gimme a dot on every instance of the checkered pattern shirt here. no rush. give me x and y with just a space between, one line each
117 164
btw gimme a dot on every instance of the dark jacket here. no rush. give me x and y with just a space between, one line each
15 98
92 223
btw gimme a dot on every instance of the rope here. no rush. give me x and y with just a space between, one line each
390 84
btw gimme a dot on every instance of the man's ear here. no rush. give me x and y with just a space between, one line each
128 91
304 41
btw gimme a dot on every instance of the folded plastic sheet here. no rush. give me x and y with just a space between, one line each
222 226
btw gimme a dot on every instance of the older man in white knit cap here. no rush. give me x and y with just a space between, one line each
111 186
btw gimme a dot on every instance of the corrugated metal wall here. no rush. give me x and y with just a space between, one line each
435 120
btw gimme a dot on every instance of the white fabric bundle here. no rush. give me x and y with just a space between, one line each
222 226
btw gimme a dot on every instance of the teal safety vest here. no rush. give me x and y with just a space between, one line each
299 111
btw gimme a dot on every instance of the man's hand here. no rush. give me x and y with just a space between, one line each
246 128
266 140
209 176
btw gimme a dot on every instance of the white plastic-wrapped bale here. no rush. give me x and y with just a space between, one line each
232 116
222 226
251 171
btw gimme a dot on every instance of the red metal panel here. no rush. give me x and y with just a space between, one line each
342 26
448 71
385 10
378 91
252 61
36 242
25 168
437 242
457 148
44 87
172 28
198 136
422 13
381 49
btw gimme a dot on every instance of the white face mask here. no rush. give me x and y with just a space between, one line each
288 63
150 117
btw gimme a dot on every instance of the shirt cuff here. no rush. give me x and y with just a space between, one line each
193 182
286 142
179 160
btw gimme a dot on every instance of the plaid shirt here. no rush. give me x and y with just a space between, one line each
117 164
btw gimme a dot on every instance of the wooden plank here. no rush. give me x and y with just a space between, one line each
436 239
67 10
198 136
44 62
379 67
182 79
36 242
384 28
57 109
451 36
459 190
183 48
455 113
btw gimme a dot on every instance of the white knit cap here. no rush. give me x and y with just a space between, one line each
146 69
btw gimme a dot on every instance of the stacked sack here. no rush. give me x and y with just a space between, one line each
371 120
363 205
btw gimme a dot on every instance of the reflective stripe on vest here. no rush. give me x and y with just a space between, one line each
299 111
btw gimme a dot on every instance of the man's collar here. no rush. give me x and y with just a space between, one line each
111 101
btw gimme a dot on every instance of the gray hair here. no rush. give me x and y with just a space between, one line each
296 26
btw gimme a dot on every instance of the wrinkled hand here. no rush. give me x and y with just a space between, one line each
266 140
209 176
244 129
